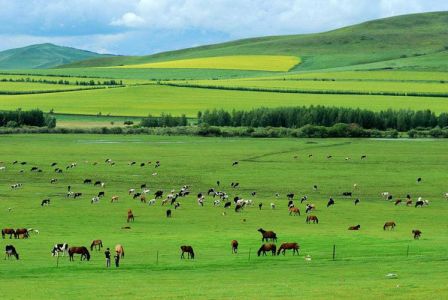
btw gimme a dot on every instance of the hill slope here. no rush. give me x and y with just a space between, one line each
370 42
42 56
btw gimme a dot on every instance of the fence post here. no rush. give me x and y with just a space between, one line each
250 249
157 258
334 251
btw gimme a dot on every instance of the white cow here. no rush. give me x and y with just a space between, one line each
152 202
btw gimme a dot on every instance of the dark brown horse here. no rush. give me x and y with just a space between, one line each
357 227
9 231
130 216
188 250
417 233
267 235
21 232
266 248
289 246
234 244
97 244
389 225
294 210
314 219
79 250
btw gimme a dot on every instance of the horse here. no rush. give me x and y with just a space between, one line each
98 244
79 250
130 216
289 246
417 233
114 199
312 218
266 235
119 250
357 227
390 224
59 248
9 231
11 251
188 250
21 232
294 210
234 244
267 247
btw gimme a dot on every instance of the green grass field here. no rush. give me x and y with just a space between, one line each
363 259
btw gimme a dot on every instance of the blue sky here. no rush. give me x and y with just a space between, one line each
137 27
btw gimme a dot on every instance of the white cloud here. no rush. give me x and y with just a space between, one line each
129 19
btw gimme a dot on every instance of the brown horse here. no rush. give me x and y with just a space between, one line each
409 203
119 250
114 199
267 247
389 225
188 250
97 244
267 235
9 231
294 210
417 233
289 246
314 219
21 232
357 227
79 250
234 244
398 201
130 216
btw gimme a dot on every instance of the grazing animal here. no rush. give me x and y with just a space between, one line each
176 205
419 180
45 202
329 156
290 196
53 164
409 203
314 187
347 194
309 207
114 199
95 200
235 163
87 181
266 248
79 250
420 202
76 195
130 216
216 202
289 246
398 201
34 169
152 202
97 183
97 244
11 251
234 245
9 231
53 180
218 182
119 250
294 210
357 227
158 194
142 199
304 198
330 202
313 219
357 201
59 248
417 233
168 213
390 197
363 156
272 205
389 225
136 195
188 250
131 191
238 207
227 204
21 232
290 203
385 194
267 235
260 205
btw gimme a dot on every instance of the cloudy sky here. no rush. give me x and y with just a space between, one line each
136 27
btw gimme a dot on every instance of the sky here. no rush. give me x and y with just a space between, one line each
138 27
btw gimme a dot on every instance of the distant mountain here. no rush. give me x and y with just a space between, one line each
417 41
43 56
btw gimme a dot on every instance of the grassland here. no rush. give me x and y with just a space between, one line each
233 62
267 166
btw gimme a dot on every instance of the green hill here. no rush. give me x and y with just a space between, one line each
42 56
374 43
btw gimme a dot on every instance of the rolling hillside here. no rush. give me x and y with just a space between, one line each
42 56
410 42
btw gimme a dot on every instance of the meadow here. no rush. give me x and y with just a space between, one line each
267 166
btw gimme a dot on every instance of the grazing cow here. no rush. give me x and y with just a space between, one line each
34 169
188 250
253 194
95 200
53 164
235 163
158 194
390 197
304 198
420 202
132 163
234 245
23 163
143 186
272 205
142 199
11 251
313 219
417 233
119 250
309 207
409 203
290 203
294 210
97 244
57 170
9 231
267 235
79 250
136 195
152 202
419 180
398 201
53 180
87 181
59 248
131 191
218 182
446 196
290 196
266 248
389 225
76 195
100 194
357 201
70 194
363 156
201 201
329 156
16 186
97 183
176 205
347 194
45 202
130 216
168 213
210 191
142 164
145 191
385 195
289 246
314 187
227 204
21 232
216 202
114 199
260 205
330 202
357 227
2 168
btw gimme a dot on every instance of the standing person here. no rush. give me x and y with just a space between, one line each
107 254
117 259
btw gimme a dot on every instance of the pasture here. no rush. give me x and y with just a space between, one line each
267 166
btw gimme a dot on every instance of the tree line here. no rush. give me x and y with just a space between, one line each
165 120
65 82
20 118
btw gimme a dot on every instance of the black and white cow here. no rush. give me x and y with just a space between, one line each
59 248
11 251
